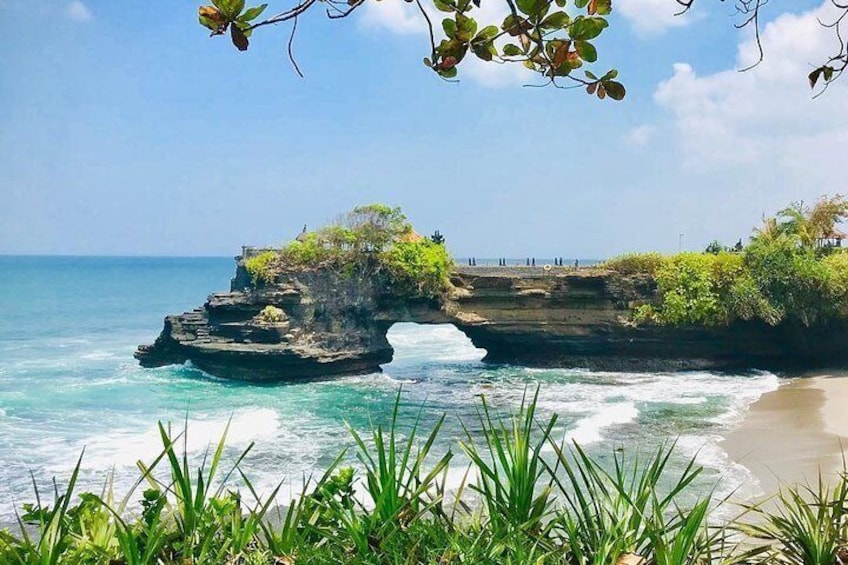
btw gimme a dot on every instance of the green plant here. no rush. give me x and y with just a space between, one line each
809 526
614 513
635 263
54 527
271 315
200 512
400 488
261 267
367 240
513 480
791 279
418 267
836 265
689 289
521 506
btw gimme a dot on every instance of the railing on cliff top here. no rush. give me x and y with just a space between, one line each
248 251
528 266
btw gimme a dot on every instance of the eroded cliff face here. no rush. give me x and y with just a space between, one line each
335 323
328 327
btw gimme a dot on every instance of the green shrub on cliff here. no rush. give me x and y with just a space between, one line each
369 240
836 265
791 272
635 263
775 280
694 288
271 315
308 250
687 285
261 267
792 279
418 267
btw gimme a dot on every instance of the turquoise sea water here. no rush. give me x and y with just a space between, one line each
69 326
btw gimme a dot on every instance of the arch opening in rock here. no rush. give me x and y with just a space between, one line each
417 344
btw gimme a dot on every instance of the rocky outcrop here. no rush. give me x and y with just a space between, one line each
334 323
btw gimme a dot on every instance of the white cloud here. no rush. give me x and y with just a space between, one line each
640 135
78 12
404 18
395 16
764 117
652 17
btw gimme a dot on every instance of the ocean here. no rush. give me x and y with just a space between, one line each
68 383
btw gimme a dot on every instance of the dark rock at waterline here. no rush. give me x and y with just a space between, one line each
335 323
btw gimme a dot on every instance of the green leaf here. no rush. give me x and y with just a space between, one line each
560 3
557 20
465 27
586 51
448 73
814 77
615 90
828 73
591 75
445 5
529 7
239 38
253 13
449 26
603 7
515 25
209 24
244 27
486 33
584 29
484 51
610 75
230 8
511 50
581 3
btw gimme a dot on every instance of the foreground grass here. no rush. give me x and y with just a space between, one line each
513 506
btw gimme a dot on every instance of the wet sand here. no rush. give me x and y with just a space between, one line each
792 433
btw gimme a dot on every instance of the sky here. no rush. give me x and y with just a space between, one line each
126 130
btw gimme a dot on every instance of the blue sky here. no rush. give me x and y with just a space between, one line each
124 129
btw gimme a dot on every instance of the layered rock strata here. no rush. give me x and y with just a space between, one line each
335 323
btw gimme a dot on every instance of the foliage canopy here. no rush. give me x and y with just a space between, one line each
374 239
552 38
793 269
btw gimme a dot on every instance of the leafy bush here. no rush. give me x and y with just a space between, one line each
747 302
635 263
309 250
367 240
836 266
261 267
695 289
271 315
791 279
418 267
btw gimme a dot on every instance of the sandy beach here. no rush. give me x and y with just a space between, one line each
792 433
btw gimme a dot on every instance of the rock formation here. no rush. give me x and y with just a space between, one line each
335 323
